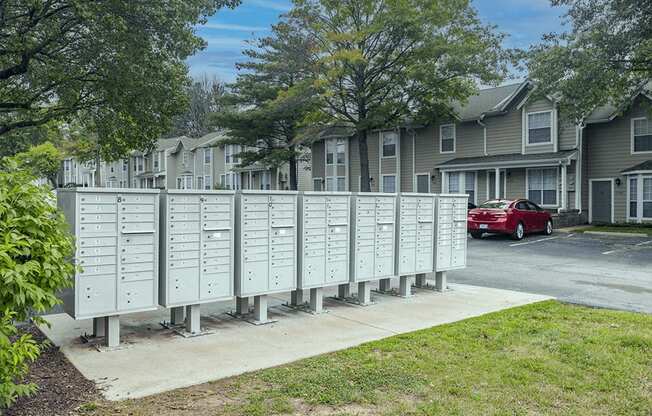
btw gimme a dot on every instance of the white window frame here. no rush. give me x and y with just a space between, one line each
441 138
416 181
382 182
223 180
642 194
382 144
156 161
527 128
321 184
208 182
125 165
137 164
335 143
527 185
632 148
182 182
207 152
200 178
629 197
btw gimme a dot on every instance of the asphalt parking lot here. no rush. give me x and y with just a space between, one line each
601 271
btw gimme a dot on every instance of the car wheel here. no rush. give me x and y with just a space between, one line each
476 234
548 229
519 231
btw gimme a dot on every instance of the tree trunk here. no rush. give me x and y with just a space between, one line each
365 183
293 171
98 180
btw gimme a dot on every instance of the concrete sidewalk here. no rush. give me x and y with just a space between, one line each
156 360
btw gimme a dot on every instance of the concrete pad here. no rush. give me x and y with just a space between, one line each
154 360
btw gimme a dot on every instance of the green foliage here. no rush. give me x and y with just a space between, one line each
205 97
41 161
377 63
15 354
35 252
605 56
117 65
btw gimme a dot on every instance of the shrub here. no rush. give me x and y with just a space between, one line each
35 252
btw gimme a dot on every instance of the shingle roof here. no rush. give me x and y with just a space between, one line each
164 144
647 165
209 138
486 101
608 111
513 157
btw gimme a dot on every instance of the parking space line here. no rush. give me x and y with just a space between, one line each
644 243
610 252
532 242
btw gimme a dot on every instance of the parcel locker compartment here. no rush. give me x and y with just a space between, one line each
138 218
96 295
216 261
98 209
215 286
133 276
101 198
255 276
406 261
97 251
181 264
183 255
97 218
364 267
174 247
184 227
219 225
181 208
184 199
443 257
337 271
384 266
136 295
217 246
97 261
313 271
98 270
184 217
98 230
282 278
184 238
183 285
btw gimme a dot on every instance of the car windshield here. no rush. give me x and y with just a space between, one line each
495 205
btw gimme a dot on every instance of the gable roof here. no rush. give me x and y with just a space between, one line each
489 101
209 138
645 166
608 112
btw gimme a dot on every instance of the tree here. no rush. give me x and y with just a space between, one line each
605 57
117 65
205 98
41 161
379 62
35 252
270 101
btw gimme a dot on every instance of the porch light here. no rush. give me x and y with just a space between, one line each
618 182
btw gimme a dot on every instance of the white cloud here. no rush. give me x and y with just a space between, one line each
224 41
229 26
281 6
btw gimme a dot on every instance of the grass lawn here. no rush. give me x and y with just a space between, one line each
642 229
546 358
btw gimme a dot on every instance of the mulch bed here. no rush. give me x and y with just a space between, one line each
62 388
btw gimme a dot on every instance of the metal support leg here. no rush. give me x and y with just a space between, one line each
420 280
99 327
241 306
385 285
193 322
112 328
260 308
317 300
344 291
405 289
176 315
296 297
440 281
364 293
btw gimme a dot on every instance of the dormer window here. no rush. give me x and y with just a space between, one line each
641 135
539 128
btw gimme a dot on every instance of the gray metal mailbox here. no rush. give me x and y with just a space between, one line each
451 232
324 243
266 247
373 241
116 233
196 251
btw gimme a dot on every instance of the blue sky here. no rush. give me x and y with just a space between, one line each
525 21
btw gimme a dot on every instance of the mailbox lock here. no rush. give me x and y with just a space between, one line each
120 199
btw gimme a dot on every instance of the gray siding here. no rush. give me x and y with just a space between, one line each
504 133
566 134
542 104
406 147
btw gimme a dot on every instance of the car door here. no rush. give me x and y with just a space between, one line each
525 215
539 216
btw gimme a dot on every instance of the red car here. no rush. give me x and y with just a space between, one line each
513 217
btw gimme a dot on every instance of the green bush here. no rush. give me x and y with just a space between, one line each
36 249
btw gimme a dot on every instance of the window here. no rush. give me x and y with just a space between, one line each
200 182
447 138
542 186
335 152
389 144
317 184
641 135
139 166
207 155
266 181
157 161
125 165
184 182
336 183
67 165
389 183
633 200
647 197
112 169
454 183
469 186
231 152
184 158
423 183
539 128
223 181
462 183
208 182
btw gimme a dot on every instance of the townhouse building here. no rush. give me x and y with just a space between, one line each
508 142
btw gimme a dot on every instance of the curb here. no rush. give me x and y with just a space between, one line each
616 234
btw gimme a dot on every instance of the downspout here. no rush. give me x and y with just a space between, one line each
580 165
484 133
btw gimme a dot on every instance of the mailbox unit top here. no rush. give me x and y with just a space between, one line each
325 193
198 192
266 192
110 190
386 194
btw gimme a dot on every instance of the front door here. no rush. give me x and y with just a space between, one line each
601 201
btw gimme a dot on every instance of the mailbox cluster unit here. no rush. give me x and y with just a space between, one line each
117 249
180 248
196 252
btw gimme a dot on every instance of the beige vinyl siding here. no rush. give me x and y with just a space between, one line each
504 133
407 174
609 152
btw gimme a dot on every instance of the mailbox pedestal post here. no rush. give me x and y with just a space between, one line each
385 285
112 327
364 293
440 281
99 327
344 291
241 306
405 290
420 280
317 300
296 297
193 319
260 308
176 315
